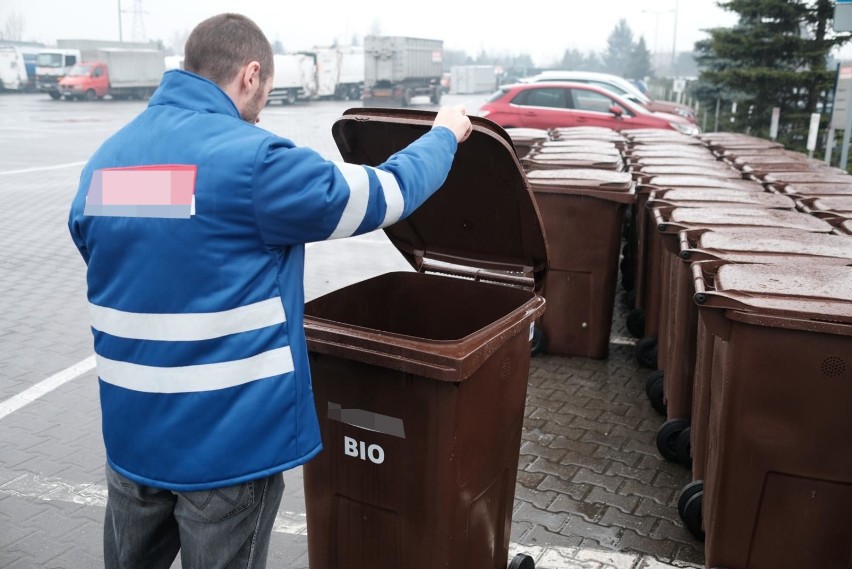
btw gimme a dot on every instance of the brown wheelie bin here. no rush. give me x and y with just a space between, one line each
666 387
420 377
775 246
778 483
669 222
582 213
525 138
646 262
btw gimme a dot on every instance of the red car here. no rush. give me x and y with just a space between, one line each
559 104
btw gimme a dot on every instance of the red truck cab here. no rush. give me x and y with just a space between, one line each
88 80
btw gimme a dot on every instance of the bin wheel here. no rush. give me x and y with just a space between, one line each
636 322
683 447
646 352
539 341
692 517
654 390
522 561
667 436
688 492
630 298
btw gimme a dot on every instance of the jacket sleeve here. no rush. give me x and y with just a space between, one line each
300 197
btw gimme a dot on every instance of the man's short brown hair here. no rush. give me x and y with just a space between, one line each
219 46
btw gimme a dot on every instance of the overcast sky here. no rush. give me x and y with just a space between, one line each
542 28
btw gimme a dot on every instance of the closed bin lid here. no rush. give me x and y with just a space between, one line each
573 159
527 134
708 162
683 197
753 217
484 215
693 170
671 151
836 204
771 246
805 189
808 293
783 178
674 182
612 186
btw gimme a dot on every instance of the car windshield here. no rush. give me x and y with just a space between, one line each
49 60
499 94
80 71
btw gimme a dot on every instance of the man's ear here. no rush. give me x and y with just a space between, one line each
251 77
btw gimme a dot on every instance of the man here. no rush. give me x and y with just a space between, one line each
192 222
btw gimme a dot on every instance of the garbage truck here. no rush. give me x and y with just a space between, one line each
397 69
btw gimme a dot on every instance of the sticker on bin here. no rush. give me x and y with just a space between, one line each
366 420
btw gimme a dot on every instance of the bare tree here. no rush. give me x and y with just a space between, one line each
13 28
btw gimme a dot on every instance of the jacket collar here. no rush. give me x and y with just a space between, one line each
187 90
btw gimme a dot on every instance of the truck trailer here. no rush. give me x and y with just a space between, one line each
397 69
295 78
340 72
52 64
117 72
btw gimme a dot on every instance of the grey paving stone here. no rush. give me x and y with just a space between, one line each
610 483
624 503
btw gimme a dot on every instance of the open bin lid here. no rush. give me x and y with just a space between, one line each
801 295
612 186
769 246
483 216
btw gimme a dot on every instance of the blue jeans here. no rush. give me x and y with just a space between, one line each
224 528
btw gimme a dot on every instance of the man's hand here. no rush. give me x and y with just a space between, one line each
455 119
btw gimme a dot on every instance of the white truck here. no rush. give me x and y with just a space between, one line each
468 79
116 72
52 64
295 78
397 69
17 66
339 71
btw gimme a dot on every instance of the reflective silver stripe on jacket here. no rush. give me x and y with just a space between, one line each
189 326
188 379
359 198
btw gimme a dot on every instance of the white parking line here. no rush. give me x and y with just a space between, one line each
41 168
46 386
30 486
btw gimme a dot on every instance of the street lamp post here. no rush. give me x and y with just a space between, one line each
120 37
674 36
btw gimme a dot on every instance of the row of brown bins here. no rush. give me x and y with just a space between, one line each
578 178
744 282
420 377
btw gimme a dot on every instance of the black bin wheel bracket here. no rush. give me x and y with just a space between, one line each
667 436
522 561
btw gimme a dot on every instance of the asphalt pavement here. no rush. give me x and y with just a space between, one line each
592 490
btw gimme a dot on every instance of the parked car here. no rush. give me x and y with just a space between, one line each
562 104
621 87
